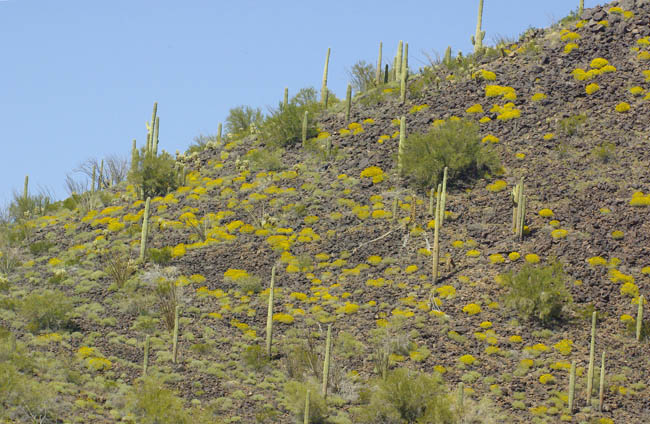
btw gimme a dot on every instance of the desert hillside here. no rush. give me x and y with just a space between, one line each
146 300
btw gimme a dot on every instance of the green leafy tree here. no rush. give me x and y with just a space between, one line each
362 76
538 292
455 144
241 118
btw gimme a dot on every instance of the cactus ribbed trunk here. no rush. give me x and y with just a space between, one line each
592 353
145 364
285 101
404 74
386 73
154 149
269 316
581 7
639 319
572 387
478 37
175 340
443 199
398 60
26 187
323 90
134 155
304 127
378 73
326 362
145 230
436 238
400 148
306 416
348 103
92 182
219 133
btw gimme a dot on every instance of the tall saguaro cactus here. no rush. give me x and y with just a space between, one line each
26 188
519 210
151 128
145 229
592 353
219 133
398 60
601 390
404 74
639 319
581 8
326 362
435 257
269 316
175 340
304 128
378 73
572 387
348 103
285 101
145 364
477 38
323 90
443 199
154 144
400 148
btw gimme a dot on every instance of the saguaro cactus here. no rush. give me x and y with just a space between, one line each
151 127
378 73
477 39
519 210
639 319
285 101
269 316
435 257
398 59
572 386
219 133
145 364
145 229
404 74
134 155
154 148
92 182
400 148
443 199
323 90
592 352
386 74
348 103
304 127
581 7
326 362
461 396
175 340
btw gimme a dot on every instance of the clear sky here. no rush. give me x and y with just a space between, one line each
78 78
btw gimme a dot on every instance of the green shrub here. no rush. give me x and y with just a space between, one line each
250 283
538 292
605 152
46 310
572 125
255 357
151 403
39 247
455 144
160 256
284 125
295 393
265 159
200 143
406 396
242 119
155 175
30 207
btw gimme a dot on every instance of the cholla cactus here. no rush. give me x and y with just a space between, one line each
477 39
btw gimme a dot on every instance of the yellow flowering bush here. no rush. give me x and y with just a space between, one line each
546 213
538 97
592 88
467 359
497 258
532 258
570 36
472 309
564 347
640 199
630 289
374 172
570 47
497 186
546 379
622 107
477 108
473 253
598 63
636 90
283 318
490 138
559 233
485 75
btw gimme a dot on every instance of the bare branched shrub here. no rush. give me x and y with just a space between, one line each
119 264
163 282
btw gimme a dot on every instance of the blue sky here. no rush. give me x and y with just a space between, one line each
78 78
